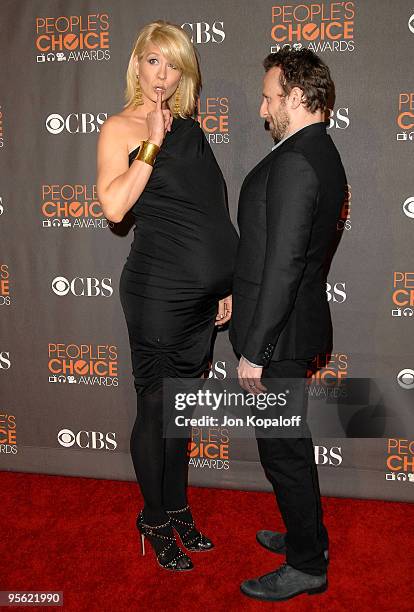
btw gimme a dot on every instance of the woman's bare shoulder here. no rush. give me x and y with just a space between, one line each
124 128
111 134
115 125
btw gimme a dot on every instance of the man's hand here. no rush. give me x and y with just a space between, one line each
224 311
249 378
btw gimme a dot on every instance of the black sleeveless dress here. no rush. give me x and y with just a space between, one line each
181 260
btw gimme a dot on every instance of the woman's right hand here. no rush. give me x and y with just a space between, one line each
159 122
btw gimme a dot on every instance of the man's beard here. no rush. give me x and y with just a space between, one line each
279 126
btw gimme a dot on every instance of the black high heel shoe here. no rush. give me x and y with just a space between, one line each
182 521
167 552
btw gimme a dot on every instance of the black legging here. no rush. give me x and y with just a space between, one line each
161 464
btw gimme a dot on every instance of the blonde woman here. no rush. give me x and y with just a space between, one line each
175 286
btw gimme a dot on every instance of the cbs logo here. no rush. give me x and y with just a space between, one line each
87 439
411 24
218 370
405 378
75 123
338 119
5 362
328 456
88 287
408 205
336 292
202 32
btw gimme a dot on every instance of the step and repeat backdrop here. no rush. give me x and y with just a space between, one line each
67 401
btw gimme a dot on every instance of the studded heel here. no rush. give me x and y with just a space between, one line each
183 523
169 555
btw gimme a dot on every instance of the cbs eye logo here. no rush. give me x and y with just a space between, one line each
75 123
55 123
60 285
408 206
411 24
405 379
66 437
83 287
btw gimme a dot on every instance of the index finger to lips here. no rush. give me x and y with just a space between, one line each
158 105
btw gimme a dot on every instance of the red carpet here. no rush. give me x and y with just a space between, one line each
78 535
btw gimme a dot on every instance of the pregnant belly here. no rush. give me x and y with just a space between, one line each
200 262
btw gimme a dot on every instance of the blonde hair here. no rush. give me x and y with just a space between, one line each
176 46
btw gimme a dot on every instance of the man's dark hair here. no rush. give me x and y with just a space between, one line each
303 69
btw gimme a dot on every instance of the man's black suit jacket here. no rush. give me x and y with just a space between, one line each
288 211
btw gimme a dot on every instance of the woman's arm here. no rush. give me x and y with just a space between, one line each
118 185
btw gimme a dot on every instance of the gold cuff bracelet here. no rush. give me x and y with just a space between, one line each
147 152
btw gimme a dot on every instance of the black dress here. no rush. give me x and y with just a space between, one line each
181 260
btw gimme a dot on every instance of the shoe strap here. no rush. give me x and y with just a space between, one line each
187 536
149 531
154 526
187 507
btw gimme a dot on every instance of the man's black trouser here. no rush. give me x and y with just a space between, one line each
289 464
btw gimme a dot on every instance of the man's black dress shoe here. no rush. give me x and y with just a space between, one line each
276 541
284 583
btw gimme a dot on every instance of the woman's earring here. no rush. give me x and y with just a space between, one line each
177 100
138 98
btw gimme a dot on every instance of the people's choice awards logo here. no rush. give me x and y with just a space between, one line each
405 378
213 117
319 26
202 32
72 206
75 123
209 448
5 299
329 367
8 435
94 440
325 375
408 207
400 460
73 38
403 294
83 364
82 287
405 116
